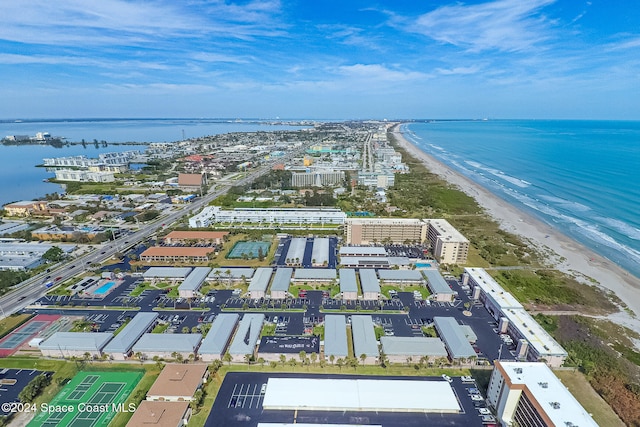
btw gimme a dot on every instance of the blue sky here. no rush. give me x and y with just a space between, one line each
320 59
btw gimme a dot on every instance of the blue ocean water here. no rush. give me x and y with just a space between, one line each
581 177
21 180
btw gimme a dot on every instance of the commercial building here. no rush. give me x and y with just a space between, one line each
318 178
214 345
246 338
190 287
534 343
161 414
320 252
260 282
200 237
65 232
119 348
439 287
23 256
281 283
75 344
166 346
368 395
315 275
412 349
366 231
348 284
449 246
272 347
176 254
454 338
26 208
370 284
364 339
335 337
529 394
178 382
274 216
191 181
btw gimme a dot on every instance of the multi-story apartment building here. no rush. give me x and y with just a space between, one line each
449 246
364 231
529 394
316 178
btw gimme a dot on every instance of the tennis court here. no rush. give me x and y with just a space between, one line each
14 340
88 389
250 249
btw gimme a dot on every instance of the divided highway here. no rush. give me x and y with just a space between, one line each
33 288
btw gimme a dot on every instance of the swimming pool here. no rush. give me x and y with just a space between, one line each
423 265
104 288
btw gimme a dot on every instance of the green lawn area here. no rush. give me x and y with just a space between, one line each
424 291
589 399
269 329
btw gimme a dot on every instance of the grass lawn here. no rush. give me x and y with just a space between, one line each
407 288
589 399
8 324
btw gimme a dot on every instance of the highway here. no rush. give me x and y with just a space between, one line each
33 288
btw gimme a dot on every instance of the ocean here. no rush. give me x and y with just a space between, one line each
581 177
21 180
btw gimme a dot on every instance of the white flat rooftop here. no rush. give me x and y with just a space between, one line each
360 395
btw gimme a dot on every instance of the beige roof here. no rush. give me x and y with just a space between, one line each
194 179
178 380
176 251
196 235
158 414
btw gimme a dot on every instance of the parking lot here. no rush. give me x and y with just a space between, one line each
9 389
239 403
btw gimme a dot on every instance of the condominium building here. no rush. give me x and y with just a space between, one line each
449 246
529 394
316 178
84 176
365 231
534 343
295 216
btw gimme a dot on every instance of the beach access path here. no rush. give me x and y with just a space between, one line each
570 256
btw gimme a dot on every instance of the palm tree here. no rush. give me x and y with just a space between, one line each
227 358
283 359
314 358
293 362
302 355
340 362
363 357
332 359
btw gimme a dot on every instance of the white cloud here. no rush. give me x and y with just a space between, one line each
378 72
503 25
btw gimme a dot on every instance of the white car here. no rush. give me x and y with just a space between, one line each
447 378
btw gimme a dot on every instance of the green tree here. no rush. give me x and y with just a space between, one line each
53 254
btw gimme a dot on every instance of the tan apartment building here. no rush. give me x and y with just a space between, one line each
201 237
26 208
175 254
178 382
365 231
449 246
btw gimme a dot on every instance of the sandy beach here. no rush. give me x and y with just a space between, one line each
571 257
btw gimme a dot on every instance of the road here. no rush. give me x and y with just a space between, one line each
33 288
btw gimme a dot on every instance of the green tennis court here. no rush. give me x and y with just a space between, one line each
250 249
94 397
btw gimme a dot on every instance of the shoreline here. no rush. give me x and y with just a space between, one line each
568 256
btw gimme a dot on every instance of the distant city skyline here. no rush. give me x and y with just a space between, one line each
540 59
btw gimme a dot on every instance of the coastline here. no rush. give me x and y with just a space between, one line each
568 255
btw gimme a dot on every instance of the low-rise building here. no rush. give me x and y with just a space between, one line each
119 348
191 181
401 277
199 237
315 275
26 208
178 382
219 336
246 337
529 394
176 254
370 284
412 349
260 282
439 287
84 176
190 287
348 284
335 337
161 414
454 338
281 283
75 344
275 216
166 274
365 345
167 346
